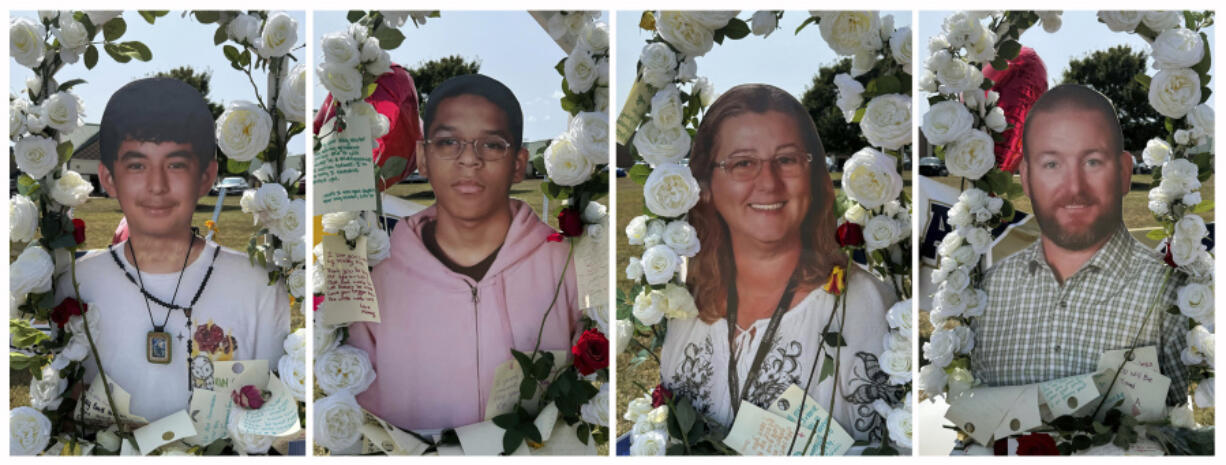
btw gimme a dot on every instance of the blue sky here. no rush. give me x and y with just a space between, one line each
175 41
784 59
510 45
1080 35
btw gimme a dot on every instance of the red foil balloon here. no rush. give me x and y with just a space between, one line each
396 98
1019 85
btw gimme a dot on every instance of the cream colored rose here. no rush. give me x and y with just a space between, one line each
659 64
899 425
887 121
244 28
946 122
343 81
564 164
1177 48
595 35
23 219
705 91
932 379
636 230
279 35
47 393
292 100
900 48
995 119
957 76
880 232
589 131
850 95
296 282
1195 301
272 202
596 410
870 178
625 330
682 238
666 109
1120 21
972 156
291 369
659 264
680 303
960 380
670 190
764 23
243 131
899 317
29 431
649 308
26 44
897 364
340 49
243 442
637 407
30 272
338 421
291 225
659 145
62 112
345 369
1174 92
36 155
1156 152
650 443
73 38
378 247
685 32
71 190
1160 21
580 70
848 32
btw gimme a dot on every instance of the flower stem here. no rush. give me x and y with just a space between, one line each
1166 277
106 385
552 302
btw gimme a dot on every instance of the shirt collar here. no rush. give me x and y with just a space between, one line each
1114 255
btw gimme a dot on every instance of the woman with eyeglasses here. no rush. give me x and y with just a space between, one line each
766 222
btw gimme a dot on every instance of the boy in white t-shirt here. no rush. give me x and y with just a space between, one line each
171 303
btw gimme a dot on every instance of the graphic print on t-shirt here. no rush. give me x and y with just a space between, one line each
210 343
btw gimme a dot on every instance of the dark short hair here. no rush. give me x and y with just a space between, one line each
1065 96
482 86
159 109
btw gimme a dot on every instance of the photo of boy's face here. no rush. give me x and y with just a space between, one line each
471 186
157 184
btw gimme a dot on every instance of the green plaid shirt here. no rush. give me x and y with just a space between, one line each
1036 330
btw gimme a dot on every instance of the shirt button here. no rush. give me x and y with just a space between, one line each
1057 348
1063 304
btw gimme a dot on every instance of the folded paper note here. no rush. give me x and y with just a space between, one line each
209 412
484 438
233 375
788 407
95 409
989 412
1142 390
343 169
504 392
172 428
1065 396
277 417
349 291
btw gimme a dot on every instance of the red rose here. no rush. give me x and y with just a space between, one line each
66 309
78 230
660 396
1037 444
555 237
1170 261
850 235
591 352
208 337
249 397
571 222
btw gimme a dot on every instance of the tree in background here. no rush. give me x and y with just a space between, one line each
839 137
197 79
429 74
1112 72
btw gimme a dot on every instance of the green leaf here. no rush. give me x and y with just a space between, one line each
888 84
1204 206
736 29
91 57
116 53
986 84
511 441
237 167
639 173
806 22
1000 63
72 83
1144 80
527 388
231 52
369 90
834 339
1009 49
393 167
23 335
151 15
244 58
137 50
1156 234
506 420
1206 61
389 38
114 29
827 368
64 150
204 16
686 415
859 115
532 432
219 36
541 369
354 15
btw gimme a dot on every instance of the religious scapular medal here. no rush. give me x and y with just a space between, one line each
157 346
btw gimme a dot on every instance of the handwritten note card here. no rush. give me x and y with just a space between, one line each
278 416
209 413
982 412
344 176
233 375
350 292
95 409
1065 396
504 393
592 271
172 428
1142 390
758 432
632 113
788 407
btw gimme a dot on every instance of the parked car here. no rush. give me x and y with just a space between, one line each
232 185
932 166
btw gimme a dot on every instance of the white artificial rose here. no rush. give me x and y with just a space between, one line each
958 76
960 380
1175 92
940 347
850 95
960 215
651 443
17 117
244 28
658 416
296 282
634 270
596 410
685 33
887 121
849 32
1120 21
324 337
966 339
1200 347
670 191
295 342
712 19
705 90
899 317
950 302
338 421
899 425
932 379
1177 48
343 81
980 239
870 178
71 190
378 247
972 156
274 203
292 100
976 302
1204 393
1051 21
340 49
1181 416
1156 152
1195 301
29 431
655 233
36 155
659 64
764 23
1191 199
965 255
625 330
23 219
73 38
291 225
688 70
564 164
26 44
900 48
956 281
897 364
856 214
637 408
62 111
951 242
345 369
30 273
279 35
1202 119
962 29
589 132
47 393
682 238
636 230
1160 21
594 212
243 130
880 232
995 119
680 303
928 81
595 35
382 64
666 108
650 306
580 70
243 442
1182 136
602 98
1186 244
660 264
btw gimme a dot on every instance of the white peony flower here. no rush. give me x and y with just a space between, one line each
659 146
1160 21
343 81
660 264
932 379
26 44
880 232
637 408
682 238
17 117
580 70
378 247
243 131
636 230
73 38
1186 245
1179 177
71 190
244 28
849 32
980 239
705 91
850 95
687 70
30 273
1051 21
36 155
655 233
589 131
564 164
345 369
291 225
1201 119
63 111
23 219
296 282
594 212
292 100
685 32
659 64
666 108
1175 92
670 191
856 214
972 156
29 431
291 369
1195 301
870 178
680 303
887 121
1156 152
900 48
634 270
651 443
279 35
1177 48
596 410
1120 21
764 23
338 421
650 307
1182 136
1204 393
712 19
957 76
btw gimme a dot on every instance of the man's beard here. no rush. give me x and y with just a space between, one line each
1101 228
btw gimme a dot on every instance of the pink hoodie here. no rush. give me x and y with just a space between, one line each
442 335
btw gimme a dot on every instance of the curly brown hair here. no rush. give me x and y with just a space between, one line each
709 272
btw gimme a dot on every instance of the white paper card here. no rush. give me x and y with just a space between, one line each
1143 391
97 410
172 428
1065 396
349 291
209 413
233 375
504 392
277 417
484 438
979 412
344 173
788 407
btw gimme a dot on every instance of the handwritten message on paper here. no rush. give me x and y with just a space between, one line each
1142 390
592 271
405 443
96 410
278 416
758 432
172 428
504 393
344 173
814 416
233 375
637 104
1146 357
1065 396
350 292
209 413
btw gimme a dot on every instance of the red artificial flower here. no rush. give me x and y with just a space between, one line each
660 395
78 230
67 309
249 397
1170 261
1037 444
591 352
850 235
571 222
555 237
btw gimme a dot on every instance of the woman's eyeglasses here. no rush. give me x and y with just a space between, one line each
746 168
487 148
